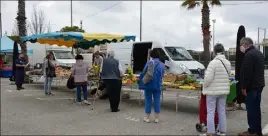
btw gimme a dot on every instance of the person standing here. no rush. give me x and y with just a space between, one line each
111 74
80 72
252 84
216 87
49 73
154 71
98 60
20 71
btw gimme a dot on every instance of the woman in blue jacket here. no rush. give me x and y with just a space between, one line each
154 71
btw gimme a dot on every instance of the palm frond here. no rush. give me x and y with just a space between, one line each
190 4
215 2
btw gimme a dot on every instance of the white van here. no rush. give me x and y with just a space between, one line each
176 58
62 57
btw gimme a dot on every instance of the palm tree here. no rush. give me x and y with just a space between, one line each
21 22
191 4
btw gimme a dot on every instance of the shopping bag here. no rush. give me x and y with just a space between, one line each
41 79
70 83
231 96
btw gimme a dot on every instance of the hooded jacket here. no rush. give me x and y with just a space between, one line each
80 71
216 80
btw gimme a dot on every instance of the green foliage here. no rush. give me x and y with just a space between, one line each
72 29
191 4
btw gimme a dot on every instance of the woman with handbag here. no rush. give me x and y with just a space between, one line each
151 82
80 72
216 87
49 73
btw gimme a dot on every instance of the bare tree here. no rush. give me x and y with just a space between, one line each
37 24
48 27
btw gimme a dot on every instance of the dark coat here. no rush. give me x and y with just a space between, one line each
252 71
19 72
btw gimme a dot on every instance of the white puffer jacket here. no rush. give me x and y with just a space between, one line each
216 80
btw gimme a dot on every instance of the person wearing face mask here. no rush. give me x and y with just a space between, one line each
216 87
252 83
20 70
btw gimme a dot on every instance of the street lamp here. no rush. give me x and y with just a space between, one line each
214 21
140 20
264 29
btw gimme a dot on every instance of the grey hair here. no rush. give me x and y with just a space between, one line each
111 54
247 41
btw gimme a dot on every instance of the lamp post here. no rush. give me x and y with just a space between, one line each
1 19
264 29
140 20
214 21
71 13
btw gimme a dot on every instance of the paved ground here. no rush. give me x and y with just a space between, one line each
30 112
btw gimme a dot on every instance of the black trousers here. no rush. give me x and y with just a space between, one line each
19 85
113 87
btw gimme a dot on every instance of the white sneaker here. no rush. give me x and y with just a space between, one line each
156 120
146 119
87 102
220 134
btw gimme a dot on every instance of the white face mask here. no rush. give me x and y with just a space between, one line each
242 49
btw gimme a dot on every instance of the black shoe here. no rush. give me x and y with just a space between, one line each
116 110
51 94
18 88
22 88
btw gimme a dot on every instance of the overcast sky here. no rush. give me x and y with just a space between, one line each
161 20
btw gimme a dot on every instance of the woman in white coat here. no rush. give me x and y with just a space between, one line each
216 87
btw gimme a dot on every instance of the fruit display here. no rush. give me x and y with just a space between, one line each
129 77
61 72
35 72
181 81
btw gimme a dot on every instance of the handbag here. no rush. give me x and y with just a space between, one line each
142 78
70 83
148 78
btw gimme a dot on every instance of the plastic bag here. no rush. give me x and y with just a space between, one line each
42 79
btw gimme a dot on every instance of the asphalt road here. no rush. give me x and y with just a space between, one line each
30 112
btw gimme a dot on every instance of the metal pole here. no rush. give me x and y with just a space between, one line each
213 33
264 36
71 13
140 20
1 18
259 38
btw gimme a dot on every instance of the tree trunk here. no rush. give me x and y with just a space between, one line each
206 33
21 19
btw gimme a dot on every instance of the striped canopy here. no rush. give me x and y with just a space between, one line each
69 39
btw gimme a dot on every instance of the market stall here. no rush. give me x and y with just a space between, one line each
6 56
75 40
178 83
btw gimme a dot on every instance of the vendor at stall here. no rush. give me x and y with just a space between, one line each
20 72
98 60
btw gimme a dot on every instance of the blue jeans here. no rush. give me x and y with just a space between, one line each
78 92
218 101
47 85
148 100
253 106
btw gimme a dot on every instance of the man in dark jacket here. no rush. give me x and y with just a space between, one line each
252 84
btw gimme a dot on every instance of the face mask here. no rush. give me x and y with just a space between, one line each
242 49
